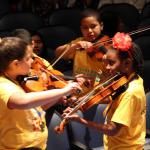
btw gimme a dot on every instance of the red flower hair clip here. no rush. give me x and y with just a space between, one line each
122 41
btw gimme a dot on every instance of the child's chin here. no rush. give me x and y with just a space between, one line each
92 39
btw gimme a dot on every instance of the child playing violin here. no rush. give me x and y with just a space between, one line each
124 128
22 114
35 44
86 56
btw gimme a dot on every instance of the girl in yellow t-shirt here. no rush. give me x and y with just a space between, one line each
22 114
124 128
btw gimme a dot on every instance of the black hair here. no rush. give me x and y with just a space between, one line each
23 34
44 51
11 48
91 13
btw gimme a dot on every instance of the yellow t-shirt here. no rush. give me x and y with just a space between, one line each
129 109
88 65
20 128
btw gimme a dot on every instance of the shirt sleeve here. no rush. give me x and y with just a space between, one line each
125 110
6 90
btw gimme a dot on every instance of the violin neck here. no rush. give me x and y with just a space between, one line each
65 77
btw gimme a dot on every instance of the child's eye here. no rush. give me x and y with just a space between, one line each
84 27
92 26
111 63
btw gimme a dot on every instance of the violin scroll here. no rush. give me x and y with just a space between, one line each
59 129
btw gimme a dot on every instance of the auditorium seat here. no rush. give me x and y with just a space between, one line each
69 17
25 20
145 23
145 13
55 36
88 138
144 44
57 141
4 33
4 7
148 113
128 13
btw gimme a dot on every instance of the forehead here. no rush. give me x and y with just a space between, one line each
36 37
112 54
89 20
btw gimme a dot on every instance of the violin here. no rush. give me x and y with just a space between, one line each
40 78
95 96
31 83
99 48
40 67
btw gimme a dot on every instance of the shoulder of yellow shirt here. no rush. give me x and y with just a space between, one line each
77 40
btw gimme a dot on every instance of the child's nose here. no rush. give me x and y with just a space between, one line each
108 67
90 30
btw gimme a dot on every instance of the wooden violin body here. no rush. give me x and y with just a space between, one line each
43 80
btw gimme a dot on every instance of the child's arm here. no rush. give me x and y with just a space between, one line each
34 99
71 49
68 49
110 128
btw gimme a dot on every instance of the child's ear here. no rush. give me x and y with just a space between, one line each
15 62
127 64
102 25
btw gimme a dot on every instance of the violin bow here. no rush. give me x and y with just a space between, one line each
62 54
130 33
103 42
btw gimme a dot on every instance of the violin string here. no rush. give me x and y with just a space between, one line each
82 101
53 75
99 86
63 82
86 98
